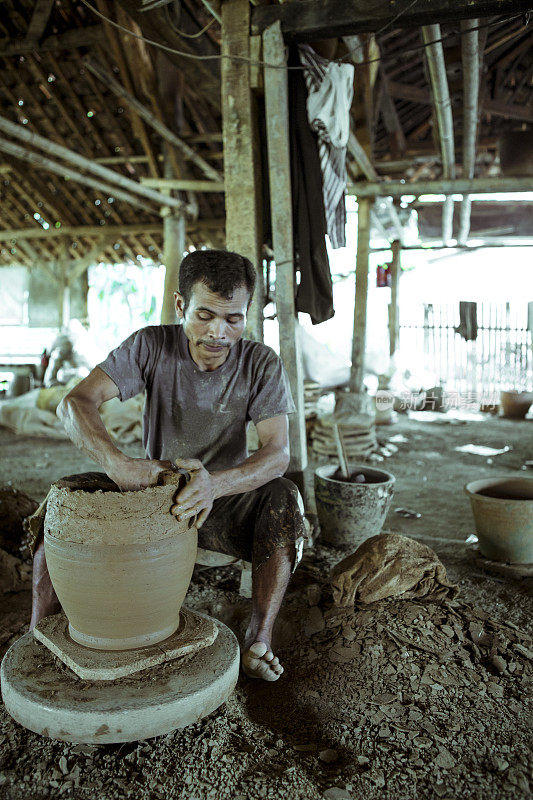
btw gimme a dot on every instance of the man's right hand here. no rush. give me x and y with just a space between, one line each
131 474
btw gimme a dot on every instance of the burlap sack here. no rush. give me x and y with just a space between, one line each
390 565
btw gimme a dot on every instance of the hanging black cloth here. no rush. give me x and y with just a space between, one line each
467 321
314 295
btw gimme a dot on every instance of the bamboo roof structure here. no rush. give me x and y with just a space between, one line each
114 100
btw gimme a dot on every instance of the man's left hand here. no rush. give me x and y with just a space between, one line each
196 498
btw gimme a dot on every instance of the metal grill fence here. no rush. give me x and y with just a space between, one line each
499 358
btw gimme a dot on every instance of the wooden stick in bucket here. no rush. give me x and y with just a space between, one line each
340 451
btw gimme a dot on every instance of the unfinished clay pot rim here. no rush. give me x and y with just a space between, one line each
322 472
178 483
113 518
112 498
473 488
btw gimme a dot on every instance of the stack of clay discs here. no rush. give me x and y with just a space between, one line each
311 394
357 431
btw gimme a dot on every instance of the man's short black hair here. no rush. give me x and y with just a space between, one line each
220 270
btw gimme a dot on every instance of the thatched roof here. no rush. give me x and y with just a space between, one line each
47 87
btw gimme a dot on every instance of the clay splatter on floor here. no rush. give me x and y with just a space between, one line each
392 700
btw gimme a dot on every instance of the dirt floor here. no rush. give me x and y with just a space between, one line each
393 700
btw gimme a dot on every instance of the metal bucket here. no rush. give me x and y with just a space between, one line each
503 514
349 513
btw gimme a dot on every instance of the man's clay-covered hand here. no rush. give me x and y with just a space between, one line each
196 498
137 473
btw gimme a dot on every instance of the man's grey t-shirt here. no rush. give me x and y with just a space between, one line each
193 414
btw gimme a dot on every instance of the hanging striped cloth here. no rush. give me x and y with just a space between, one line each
329 97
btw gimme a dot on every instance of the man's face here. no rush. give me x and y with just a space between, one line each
212 323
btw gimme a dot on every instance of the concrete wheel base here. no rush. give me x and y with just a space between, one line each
45 696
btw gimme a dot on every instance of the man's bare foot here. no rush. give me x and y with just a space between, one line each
258 661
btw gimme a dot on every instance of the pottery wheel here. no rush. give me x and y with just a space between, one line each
45 696
195 632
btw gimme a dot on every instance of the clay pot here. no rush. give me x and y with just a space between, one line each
503 513
515 405
120 564
350 513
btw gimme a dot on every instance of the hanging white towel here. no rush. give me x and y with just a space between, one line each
330 92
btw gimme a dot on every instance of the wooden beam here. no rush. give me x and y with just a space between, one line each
419 94
183 184
357 370
391 120
41 162
20 132
277 125
387 166
39 20
36 190
405 91
75 269
203 138
509 110
305 20
88 36
30 252
117 231
241 151
122 160
458 186
152 120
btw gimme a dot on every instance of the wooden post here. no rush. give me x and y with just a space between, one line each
395 268
173 249
174 244
66 306
277 124
170 110
241 152
357 372
63 293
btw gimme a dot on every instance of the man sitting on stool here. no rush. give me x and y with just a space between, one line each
203 385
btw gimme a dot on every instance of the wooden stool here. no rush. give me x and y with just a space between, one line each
210 558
